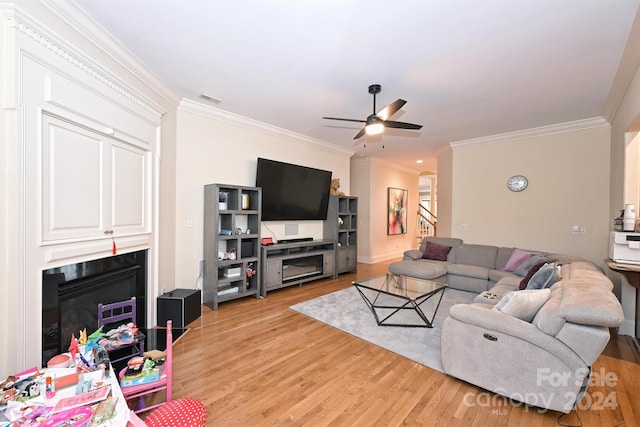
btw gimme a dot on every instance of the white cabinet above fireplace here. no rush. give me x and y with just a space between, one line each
94 186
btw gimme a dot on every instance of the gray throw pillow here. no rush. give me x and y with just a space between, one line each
545 277
531 260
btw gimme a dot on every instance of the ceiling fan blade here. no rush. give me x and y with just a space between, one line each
359 135
345 120
401 125
391 109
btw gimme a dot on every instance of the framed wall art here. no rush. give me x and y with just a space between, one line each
397 211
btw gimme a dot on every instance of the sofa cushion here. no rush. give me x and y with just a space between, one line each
523 304
497 275
421 269
582 301
546 276
411 254
436 251
480 255
585 270
503 256
468 270
533 270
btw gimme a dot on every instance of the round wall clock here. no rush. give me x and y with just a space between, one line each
517 183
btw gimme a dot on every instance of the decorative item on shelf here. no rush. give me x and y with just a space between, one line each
335 185
225 232
251 271
232 272
238 230
245 201
223 199
231 255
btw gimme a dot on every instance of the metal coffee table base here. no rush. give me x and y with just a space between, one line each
383 319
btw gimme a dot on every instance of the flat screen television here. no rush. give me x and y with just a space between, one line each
292 192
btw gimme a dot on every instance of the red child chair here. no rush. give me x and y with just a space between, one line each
137 392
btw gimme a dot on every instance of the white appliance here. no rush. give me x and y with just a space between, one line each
624 247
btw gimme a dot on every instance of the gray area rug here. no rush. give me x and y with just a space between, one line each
347 311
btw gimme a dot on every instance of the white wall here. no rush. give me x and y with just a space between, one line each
445 193
370 179
568 175
217 147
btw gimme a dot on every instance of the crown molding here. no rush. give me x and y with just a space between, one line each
371 160
593 122
73 15
199 108
28 26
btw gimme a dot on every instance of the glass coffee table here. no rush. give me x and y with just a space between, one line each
397 300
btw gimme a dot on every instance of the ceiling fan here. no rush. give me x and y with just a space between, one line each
376 122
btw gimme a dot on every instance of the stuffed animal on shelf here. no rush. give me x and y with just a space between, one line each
335 185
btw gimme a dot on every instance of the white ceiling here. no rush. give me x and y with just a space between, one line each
467 68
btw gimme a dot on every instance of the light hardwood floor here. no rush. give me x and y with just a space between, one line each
255 362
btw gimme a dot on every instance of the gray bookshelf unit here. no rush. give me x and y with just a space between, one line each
342 226
289 264
231 243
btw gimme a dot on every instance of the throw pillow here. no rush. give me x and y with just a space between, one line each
531 260
546 276
523 304
436 251
533 270
518 256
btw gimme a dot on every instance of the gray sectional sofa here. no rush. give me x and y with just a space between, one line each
533 346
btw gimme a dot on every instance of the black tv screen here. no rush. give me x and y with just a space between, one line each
292 192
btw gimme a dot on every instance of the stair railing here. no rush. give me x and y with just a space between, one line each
427 222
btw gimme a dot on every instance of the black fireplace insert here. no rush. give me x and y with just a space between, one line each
70 296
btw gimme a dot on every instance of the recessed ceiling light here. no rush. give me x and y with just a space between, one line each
418 161
210 98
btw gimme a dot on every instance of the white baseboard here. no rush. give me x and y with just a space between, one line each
380 258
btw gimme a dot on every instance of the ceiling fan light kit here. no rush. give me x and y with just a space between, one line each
376 122
375 128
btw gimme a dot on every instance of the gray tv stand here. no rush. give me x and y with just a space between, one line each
288 264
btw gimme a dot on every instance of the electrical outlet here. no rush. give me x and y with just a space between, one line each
465 227
576 229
